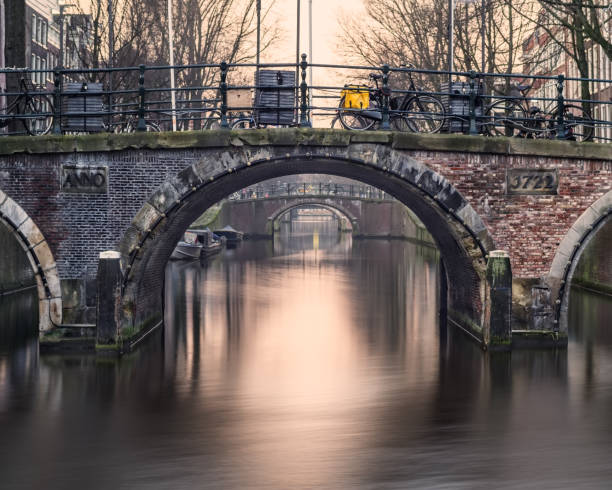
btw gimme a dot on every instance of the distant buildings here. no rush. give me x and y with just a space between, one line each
545 56
32 38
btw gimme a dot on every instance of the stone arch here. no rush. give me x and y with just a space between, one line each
328 204
459 232
568 255
41 259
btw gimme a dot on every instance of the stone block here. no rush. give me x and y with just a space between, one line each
603 205
569 243
164 198
450 198
53 282
186 180
3 197
31 232
13 212
582 224
45 256
431 183
146 217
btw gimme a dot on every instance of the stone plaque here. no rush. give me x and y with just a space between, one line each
84 179
531 181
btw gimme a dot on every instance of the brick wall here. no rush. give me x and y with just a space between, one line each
79 226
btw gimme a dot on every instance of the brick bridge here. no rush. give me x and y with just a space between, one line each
364 217
69 198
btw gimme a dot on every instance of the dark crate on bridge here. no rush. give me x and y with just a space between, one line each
275 97
80 100
456 103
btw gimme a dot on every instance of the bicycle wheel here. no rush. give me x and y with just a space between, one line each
426 114
505 118
37 111
403 124
578 123
131 126
355 121
213 120
243 123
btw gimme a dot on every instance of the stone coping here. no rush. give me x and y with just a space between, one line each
307 137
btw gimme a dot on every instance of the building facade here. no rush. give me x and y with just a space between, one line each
544 55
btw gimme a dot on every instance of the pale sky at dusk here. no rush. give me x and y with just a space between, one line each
325 29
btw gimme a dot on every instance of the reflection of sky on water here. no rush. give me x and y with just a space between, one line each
288 368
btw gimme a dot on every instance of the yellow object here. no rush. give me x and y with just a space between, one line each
355 97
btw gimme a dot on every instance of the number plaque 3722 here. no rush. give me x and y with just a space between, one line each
531 181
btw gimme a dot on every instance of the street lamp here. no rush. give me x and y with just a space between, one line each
59 17
171 47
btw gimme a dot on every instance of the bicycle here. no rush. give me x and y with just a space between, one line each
513 116
33 110
414 111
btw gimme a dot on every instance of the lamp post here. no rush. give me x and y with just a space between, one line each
111 55
171 47
258 7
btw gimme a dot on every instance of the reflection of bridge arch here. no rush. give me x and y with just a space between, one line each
329 204
457 229
41 259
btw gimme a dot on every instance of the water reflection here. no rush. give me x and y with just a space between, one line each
285 365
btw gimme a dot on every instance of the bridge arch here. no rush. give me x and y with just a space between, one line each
328 204
568 254
41 259
459 232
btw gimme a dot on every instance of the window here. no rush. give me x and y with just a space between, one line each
44 75
34 27
33 66
45 29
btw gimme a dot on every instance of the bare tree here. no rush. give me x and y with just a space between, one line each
207 32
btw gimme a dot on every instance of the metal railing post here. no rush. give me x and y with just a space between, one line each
304 121
385 123
560 129
142 125
472 130
57 101
223 88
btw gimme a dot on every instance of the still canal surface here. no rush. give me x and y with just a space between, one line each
312 361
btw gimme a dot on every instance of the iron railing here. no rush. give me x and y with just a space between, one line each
392 98
310 190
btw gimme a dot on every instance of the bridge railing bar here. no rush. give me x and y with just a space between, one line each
310 190
476 103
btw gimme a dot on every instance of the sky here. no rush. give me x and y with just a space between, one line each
325 29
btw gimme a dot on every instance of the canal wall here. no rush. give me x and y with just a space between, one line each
15 270
594 270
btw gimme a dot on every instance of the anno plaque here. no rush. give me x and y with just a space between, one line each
532 181
84 179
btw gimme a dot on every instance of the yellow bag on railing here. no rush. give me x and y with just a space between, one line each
355 97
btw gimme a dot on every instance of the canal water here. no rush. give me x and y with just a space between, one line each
312 361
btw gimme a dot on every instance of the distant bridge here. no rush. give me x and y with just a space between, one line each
69 198
364 210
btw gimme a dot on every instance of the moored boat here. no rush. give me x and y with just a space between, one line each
233 236
211 243
188 248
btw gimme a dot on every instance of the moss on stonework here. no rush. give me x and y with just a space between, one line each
102 142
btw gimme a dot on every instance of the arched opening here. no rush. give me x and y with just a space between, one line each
346 221
23 231
592 225
458 231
